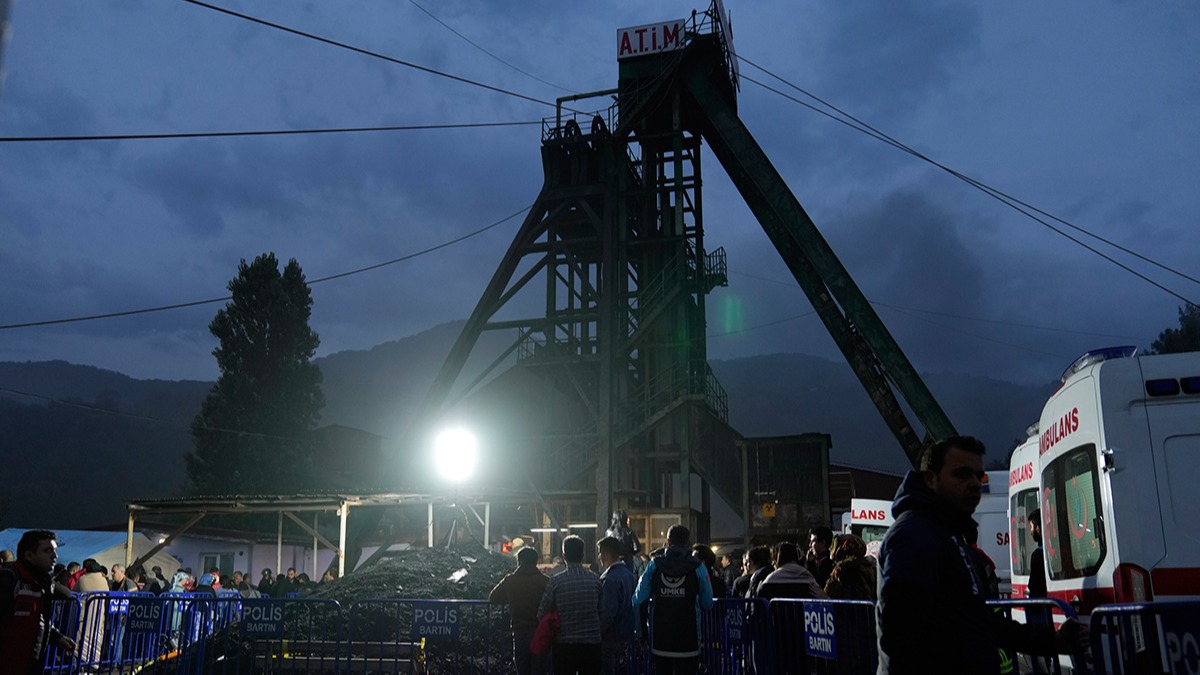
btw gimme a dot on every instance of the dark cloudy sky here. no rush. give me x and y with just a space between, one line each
1088 110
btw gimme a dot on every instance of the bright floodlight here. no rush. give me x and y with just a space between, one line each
454 454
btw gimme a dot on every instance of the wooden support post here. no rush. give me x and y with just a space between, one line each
487 525
129 544
279 547
341 553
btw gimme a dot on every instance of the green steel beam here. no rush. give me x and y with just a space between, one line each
870 349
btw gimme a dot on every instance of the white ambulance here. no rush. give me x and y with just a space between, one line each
1118 461
1024 489
870 520
992 516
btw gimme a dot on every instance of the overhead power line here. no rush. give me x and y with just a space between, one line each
1014 203
373 54
977 336
747 329
1012 324
271 132
209 301
476 45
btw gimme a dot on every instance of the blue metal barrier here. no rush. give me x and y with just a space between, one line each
824 636
188 633
428 636
1034 612
736 635
1146 638
65 617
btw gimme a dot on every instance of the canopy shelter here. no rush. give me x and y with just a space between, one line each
106 548
294 506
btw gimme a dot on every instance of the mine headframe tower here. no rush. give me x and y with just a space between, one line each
631 408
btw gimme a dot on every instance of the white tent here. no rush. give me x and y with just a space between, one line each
107 548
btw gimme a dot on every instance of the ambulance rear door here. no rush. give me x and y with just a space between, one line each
1172 403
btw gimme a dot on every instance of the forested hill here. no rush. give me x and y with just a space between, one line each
67 465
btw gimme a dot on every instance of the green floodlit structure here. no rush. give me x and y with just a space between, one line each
615 371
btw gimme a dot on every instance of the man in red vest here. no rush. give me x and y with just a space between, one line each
26 590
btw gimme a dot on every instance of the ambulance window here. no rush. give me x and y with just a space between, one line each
1021 505
870 533
1072 514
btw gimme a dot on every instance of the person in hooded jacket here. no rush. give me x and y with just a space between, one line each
854 575
677 587
932 616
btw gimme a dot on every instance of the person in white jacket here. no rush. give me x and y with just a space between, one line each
791 579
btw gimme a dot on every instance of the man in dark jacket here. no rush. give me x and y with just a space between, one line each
522 590
677 587
731 566
618 623
820 540
1037 560
932 615
26 595
758 565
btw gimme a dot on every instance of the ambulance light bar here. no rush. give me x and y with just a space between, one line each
1096 356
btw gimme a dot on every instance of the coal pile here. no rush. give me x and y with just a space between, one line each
464 573
482 644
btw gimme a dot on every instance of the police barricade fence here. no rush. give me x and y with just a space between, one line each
751 636
1146 638
428 636
735 639
825 637
64 615
1047 612
187 633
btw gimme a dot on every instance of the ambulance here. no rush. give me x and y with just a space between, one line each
1116 467
992 516
870 519
1024 489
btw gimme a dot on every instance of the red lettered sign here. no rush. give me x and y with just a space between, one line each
652 38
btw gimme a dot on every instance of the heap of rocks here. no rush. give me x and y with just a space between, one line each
462 572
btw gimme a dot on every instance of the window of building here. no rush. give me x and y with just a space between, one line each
222 561
1072 514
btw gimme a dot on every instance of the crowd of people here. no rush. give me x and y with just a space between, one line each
579 622
930 586
32 578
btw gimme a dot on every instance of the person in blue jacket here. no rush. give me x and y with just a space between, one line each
677 587
618 622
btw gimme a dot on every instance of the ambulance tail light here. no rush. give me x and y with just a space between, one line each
1131 583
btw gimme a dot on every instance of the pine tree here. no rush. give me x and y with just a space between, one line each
254 431
1186 338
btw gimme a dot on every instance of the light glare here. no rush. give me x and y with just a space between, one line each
454 454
